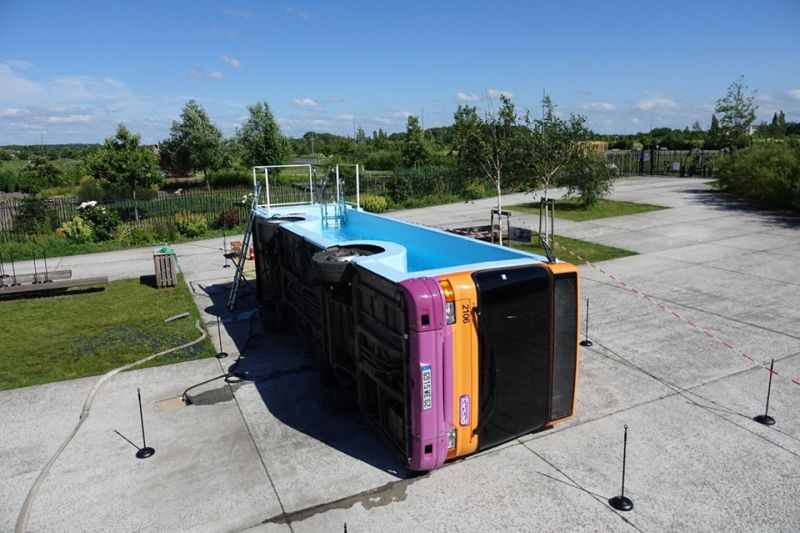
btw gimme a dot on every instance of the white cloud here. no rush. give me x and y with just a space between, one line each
794 94
232 61
70 119
239 13
635 120
656 102
303 14
335 99
17 88
497 93
402 114
305 102
197 74
464 97
599 106
226 33
347 116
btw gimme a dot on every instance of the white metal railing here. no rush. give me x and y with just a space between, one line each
339 193
266 169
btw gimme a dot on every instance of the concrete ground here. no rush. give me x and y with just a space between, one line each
681 333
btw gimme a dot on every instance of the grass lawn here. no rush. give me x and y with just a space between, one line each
88 332
572 209
591 252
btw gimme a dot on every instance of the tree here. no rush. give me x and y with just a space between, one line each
124 162
738 111
714 124
260 139
489 146
39 174
554 146
415 148
194 142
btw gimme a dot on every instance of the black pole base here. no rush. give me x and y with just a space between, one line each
764 419
221 355
621 503
586 343
144 453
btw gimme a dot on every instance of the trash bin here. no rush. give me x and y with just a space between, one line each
165 262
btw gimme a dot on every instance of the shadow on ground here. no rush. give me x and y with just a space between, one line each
289 385
726 202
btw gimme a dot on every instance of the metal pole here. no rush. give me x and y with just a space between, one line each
311 183
337 184
144 452
13 271
586 342
621 503
35 272
765 419
266 181
358 189
46 273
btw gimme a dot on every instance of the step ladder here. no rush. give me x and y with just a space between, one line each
238 276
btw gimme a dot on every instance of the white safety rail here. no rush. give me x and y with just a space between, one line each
339 193
266 169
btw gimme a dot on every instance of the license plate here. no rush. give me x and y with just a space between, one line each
427 386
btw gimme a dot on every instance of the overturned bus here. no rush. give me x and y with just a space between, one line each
451 345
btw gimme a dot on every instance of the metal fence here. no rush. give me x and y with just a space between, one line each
231 204
664 162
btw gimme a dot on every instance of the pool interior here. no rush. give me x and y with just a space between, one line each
426 248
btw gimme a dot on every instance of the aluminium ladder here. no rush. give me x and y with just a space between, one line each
248 233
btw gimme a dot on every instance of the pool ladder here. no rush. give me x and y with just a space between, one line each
334 214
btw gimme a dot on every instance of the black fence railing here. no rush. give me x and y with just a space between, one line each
657 162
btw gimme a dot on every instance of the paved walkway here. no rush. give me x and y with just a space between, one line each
679 360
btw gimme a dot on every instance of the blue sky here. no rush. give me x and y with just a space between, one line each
70 71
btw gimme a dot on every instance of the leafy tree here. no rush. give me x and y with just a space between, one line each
415 148
39 174
260 139
122 161
738 111
491 146
554 146
588 177
194 142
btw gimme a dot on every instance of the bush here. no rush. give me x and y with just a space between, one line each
590 178
90 189
102 220
474 190
9 180
768 172
399 188
78 231
190 224
382 160
34 216
227 218
374 203
232 177
165 231
143 236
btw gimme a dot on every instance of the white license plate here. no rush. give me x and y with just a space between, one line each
427 386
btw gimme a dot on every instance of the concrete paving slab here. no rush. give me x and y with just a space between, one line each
286 456
754 241
203 454
688 468
314 455
699 253
35 421
507 490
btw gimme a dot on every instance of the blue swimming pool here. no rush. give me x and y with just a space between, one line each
426 249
